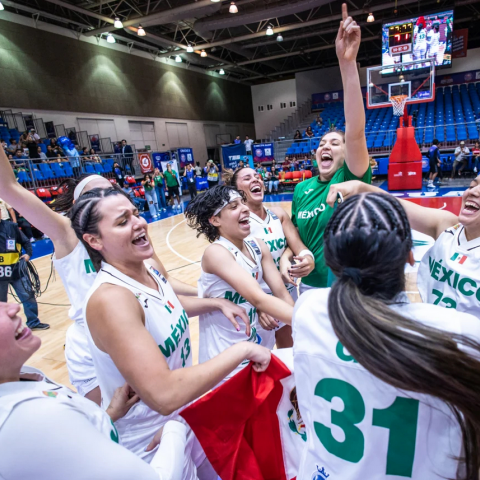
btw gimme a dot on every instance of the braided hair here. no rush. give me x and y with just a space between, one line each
201 209
85 217
367 243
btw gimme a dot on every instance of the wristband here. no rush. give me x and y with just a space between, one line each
306 252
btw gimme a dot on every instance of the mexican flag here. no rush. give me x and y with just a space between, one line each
250 427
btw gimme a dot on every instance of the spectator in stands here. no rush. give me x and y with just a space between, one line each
159 180
117 149
189 174
248 145
94 157
4 145
434 161
7 212
127 153
240 165
476 156
198 170
84 153
308 132
237 140
51 154
298 136
461 157
150 194
35 135
139 202
273 180
119 174
319 120
19 158
172 184
42 156
29 140
212 174
12 148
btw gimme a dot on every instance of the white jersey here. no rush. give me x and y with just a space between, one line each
359 426
216 331
448 275
420 39
271 232
167 322
78 274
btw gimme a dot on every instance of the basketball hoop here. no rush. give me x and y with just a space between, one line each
398 104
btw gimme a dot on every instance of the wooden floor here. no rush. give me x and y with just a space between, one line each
180 252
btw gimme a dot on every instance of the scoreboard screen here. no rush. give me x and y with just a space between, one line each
425 36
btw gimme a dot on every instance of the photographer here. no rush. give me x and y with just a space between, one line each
11 242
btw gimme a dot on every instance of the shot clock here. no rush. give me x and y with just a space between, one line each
400 38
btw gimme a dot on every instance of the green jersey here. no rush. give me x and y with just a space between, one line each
310 214
171 178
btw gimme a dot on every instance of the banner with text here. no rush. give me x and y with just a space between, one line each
159 157
263 152
145 161
185 156
232 154
460 41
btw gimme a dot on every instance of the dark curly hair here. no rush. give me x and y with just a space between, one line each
201 209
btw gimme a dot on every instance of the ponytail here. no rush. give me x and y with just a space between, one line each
367 243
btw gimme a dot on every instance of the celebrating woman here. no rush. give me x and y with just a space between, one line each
235 266
138 329
407 376
160 190
150 195
340 157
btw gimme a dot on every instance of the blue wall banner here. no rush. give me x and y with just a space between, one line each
159 157
232 154
263 152
185 155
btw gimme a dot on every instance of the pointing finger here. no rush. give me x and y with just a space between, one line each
344 11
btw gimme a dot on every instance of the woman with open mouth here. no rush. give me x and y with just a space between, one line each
66 435
71 262
274 227
138 329
341 156
235 267
449 273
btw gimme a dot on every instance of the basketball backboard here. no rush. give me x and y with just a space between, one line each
414 79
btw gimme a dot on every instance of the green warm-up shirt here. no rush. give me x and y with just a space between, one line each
310 214
170 178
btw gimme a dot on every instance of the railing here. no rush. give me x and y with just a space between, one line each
385 146
291 122
38 173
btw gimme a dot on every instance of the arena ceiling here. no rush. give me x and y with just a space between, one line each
237 42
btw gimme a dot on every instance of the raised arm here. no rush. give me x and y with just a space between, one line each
117 325
56 226
347 44
429 221
220 262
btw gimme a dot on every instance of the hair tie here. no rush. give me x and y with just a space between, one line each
354 274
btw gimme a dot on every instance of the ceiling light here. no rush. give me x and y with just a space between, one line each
189 49
118 23
1 6
370 18
233 8
279 38
269 30
216 1
110 38
203 54
178 59
222 71
141 31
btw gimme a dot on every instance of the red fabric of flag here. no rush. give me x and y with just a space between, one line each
237 424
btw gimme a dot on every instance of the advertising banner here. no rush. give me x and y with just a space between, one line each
186 156
460 40
159 158
232 154
145 161
263 152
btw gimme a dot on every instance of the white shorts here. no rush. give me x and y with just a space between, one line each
305 288
79 361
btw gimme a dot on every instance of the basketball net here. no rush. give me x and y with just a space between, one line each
398 103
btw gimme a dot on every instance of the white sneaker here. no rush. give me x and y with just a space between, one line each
32 240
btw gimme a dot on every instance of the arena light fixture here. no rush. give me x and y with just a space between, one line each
279 38
221 72
178 59
216 1
269 30
118 23
189 49
1 6
233 8
141 31
370 18
110 38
